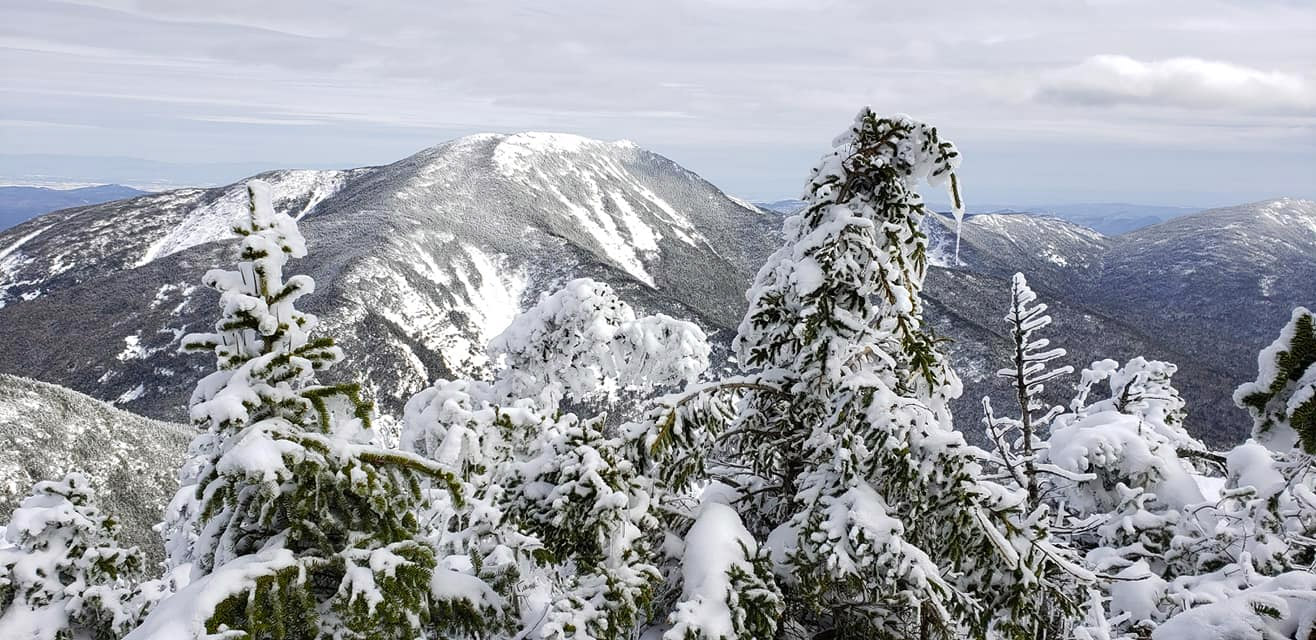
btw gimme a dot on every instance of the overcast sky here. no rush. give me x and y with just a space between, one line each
1193 102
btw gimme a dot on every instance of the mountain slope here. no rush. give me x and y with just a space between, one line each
47 431
418 263
18 204
1219 283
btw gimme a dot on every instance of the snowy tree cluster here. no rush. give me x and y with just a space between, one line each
603 483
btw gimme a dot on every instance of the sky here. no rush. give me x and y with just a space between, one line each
1174 102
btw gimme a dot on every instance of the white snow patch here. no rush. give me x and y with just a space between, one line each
215 221
744 203
4 253
131 394
132 349
643 237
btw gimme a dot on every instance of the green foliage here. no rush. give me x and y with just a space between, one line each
1291 359
65 570
289 466
585 502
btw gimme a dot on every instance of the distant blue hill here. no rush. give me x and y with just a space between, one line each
18 204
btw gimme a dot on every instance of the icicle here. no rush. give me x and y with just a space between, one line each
957 209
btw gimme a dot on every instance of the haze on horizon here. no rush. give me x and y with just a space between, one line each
1188 102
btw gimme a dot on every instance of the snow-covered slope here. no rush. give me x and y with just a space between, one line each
47 431
1220 281
1049 250
21 203
418 263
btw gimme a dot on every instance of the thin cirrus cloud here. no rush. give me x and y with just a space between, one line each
1188 83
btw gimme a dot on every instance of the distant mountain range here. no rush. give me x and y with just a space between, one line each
18 204
1109 218
418 263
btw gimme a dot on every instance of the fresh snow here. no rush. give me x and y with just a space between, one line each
623 216
4 253
215 221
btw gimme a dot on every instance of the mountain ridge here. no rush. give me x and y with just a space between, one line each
423 260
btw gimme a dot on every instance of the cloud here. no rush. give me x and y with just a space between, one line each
286 122
1189 83
743 93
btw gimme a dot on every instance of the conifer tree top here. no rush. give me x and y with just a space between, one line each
845 286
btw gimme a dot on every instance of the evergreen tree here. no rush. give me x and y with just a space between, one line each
554 514
840 449
65 577
301 528
1017 454
1282 400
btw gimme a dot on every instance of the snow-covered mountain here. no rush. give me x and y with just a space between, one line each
1206 291
420 262
47 431
1217 282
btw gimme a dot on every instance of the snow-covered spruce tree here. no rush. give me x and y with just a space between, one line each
554 512
65 577
1016 439
839 450
303 528
1282 400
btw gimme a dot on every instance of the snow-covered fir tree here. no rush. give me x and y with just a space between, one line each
300 527
1018 439
65 577
555 515
1282 400
838 449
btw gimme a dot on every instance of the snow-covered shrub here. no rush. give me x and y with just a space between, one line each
1282 607
1144 389
65 576
585 342
837 442
1184 563
296 526
553 514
